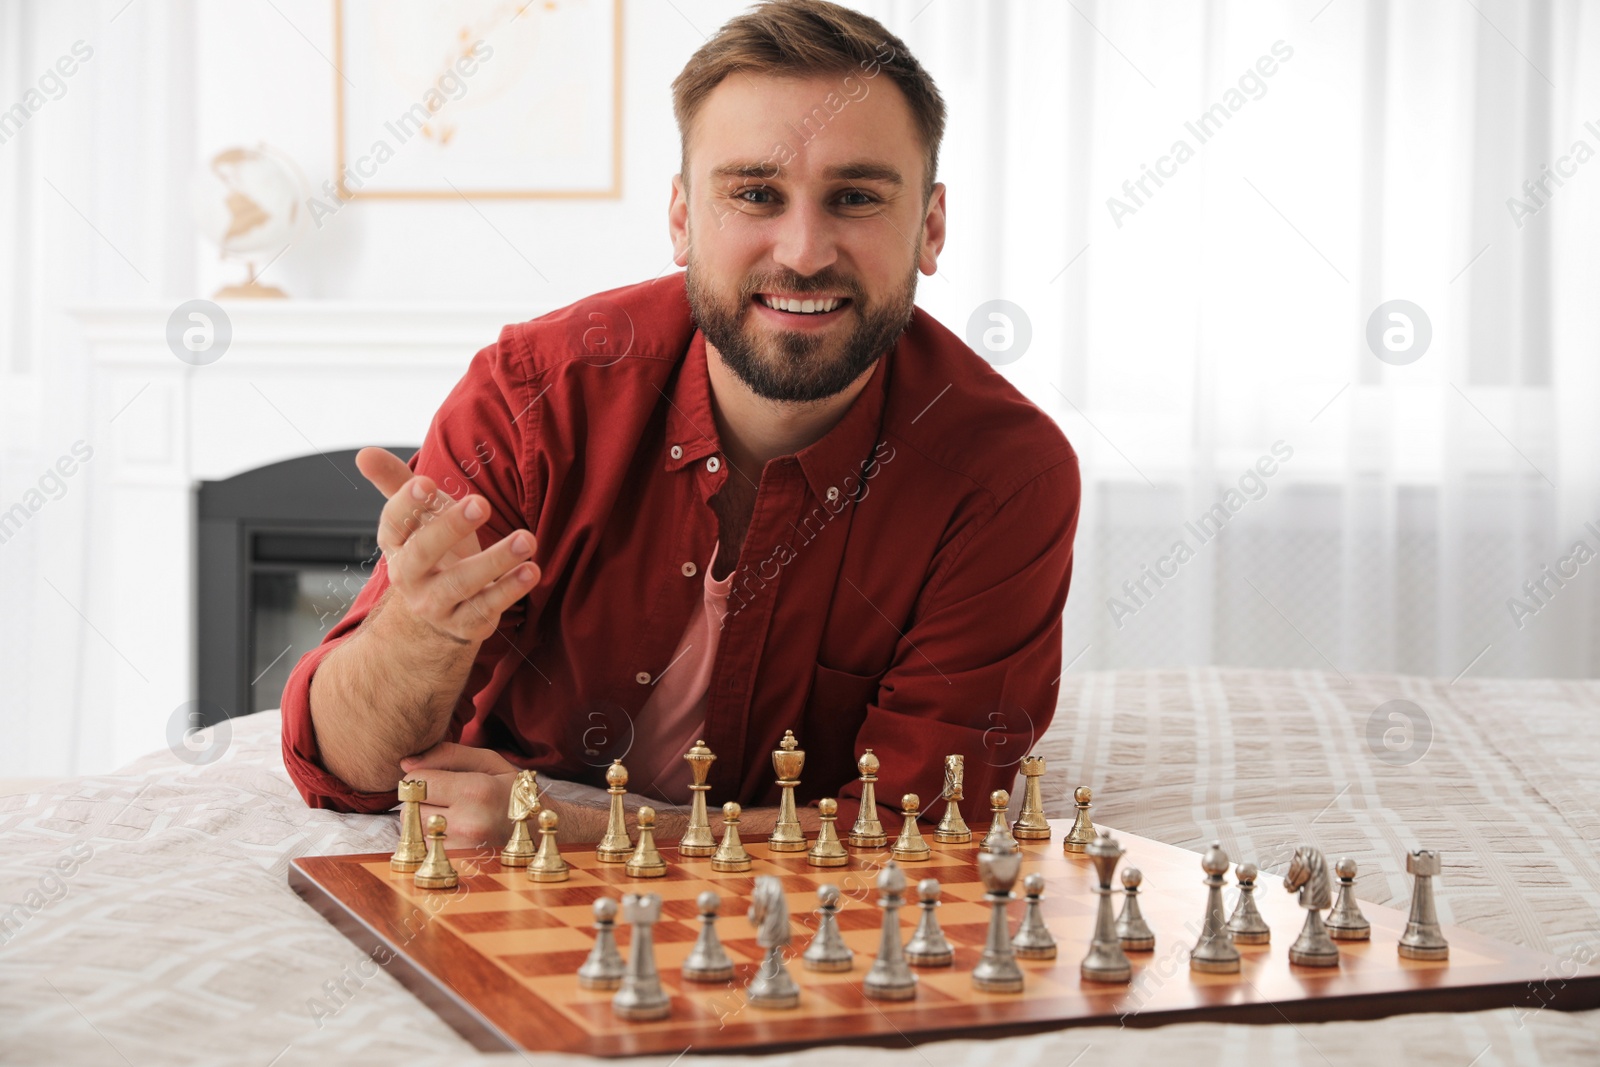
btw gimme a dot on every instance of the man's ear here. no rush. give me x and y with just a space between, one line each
678 220
933 232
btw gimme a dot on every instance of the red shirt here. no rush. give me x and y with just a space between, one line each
900 586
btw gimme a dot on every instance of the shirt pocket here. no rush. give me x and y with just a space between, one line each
840 696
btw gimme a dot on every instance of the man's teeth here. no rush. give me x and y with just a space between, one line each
804 307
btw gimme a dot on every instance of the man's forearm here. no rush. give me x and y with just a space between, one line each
386 693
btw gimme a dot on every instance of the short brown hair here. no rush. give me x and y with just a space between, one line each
805 38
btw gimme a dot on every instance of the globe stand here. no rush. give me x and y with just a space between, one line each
250 290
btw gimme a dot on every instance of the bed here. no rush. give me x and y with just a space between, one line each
146 917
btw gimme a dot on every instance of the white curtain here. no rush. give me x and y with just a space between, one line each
1302 163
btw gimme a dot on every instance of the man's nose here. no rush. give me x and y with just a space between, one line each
806 241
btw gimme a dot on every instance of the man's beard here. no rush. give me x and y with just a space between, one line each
792 365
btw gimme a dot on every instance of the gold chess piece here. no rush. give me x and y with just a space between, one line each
408 854
731 857
616 846
697 839
1031 825
646 861
909 847
868 830
828 851
435 871
524 802
999 828
953 829
1081 836
547 864
787 759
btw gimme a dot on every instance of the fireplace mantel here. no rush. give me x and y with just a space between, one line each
299 377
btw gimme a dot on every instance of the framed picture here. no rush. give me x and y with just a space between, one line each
506 99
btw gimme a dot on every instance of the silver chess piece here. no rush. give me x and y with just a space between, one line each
708 961
1308 875
1106 962
1133 933
1345 922
603 969
827 951
890 977
772 986
1423 939
1246 924
997 970
1215 952
641 996
928 946
1033 940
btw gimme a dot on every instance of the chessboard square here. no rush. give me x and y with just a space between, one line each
554 895
617 874
665 933
848 996
961 913
538 964
497 943
482 922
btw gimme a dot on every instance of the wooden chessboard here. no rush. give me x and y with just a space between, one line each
497 956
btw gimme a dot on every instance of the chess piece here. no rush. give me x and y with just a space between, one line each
953 828
1031 825
1246 924
928 946
409 852
1308 875
1081 836
697 840
1105 962
890 977
827 951
787 760
868 830
1423 940
708 961
772 986
997 970
1133 933
909 847
646 861
730 857
603 968
641 996
547 864
828 850
1215 952
524 802
1345 922
616 846
999 827
436 871
1033 940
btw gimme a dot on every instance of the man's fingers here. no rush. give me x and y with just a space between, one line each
413 506
493 601
472 574
447 756
383 469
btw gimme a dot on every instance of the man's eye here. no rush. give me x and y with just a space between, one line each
760 190
866 198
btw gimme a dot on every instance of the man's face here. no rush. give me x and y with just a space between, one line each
804 189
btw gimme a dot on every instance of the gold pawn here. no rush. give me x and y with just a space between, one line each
731 857
547 864
646 861
999 830
828 851
436 871
1081 836
909 847
868 830
412 848
616 846
1031 825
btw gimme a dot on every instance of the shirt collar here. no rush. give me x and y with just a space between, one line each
843 450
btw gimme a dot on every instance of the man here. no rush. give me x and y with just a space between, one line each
765 494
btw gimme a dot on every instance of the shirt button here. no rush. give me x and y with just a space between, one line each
677 451
643 677
713 464
689 569
833 493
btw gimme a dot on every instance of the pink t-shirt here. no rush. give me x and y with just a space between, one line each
675 713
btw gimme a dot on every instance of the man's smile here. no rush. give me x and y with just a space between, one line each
800 310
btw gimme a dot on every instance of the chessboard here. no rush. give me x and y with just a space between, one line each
497 956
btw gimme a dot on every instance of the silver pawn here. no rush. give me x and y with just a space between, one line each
1215 952
641 996
708 961
928 946
1345 922
890 977
997 970
827 951
1133 933
1246 924
1423 939
1033 940
603 969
